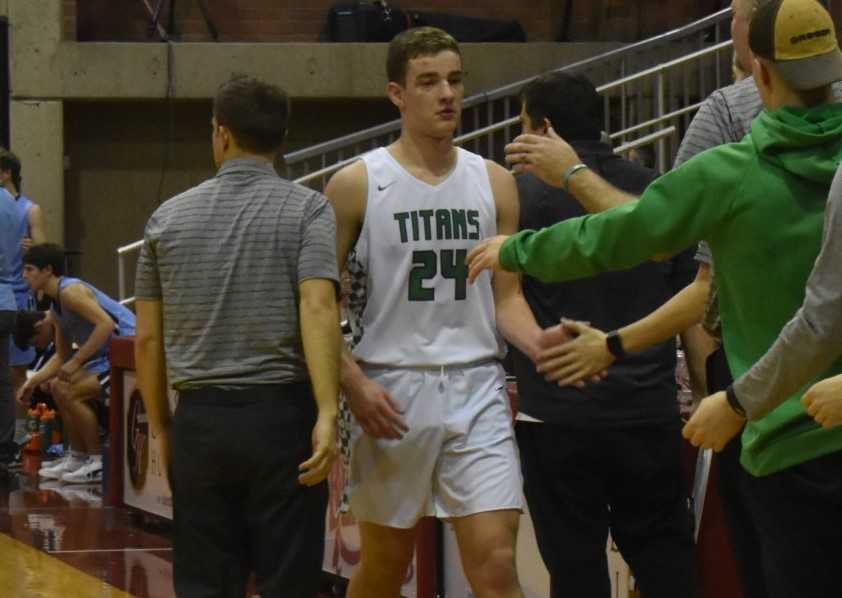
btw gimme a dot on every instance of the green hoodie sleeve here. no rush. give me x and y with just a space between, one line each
674 212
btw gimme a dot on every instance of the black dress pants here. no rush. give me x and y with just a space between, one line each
799 513
237 503
730 481
786 527
580 484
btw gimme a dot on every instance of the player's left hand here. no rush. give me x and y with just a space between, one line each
25 244
70 367
315 469
585 357
823 401
714 423
485 255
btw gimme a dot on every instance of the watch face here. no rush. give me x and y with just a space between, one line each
614 344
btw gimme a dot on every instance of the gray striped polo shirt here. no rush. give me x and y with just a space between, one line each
225 258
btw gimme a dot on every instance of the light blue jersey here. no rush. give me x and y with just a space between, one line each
23 296
22 204
77 329
8 243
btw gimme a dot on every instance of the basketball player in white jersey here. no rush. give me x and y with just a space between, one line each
432 434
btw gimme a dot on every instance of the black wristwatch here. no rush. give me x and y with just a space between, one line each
615 344
733 402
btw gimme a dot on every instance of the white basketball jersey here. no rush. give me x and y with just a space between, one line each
410 293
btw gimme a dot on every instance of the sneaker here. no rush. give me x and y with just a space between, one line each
90 471
55 486
16 464
89 493
61 466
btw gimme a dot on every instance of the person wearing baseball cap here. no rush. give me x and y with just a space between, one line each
798 38
760 205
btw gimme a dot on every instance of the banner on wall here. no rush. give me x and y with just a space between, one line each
145 484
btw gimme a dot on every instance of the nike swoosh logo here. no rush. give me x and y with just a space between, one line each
384 187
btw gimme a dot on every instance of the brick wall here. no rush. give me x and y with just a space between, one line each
621 20
302 20
272 20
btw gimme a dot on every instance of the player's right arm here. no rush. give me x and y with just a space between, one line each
374 409
63 352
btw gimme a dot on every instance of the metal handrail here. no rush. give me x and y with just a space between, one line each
511 88
327 170
505 92
646 140
499 126
642 141
651 123
666 66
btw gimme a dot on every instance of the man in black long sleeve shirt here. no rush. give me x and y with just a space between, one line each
605 456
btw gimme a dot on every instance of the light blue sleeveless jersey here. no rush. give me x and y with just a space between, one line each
8 241
22 204
77 329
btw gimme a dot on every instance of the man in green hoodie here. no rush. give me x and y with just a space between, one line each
759 203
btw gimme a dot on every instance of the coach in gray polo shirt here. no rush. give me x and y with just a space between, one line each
236 288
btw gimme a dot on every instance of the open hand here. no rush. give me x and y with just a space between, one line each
585 357
376 411
485 255
547 157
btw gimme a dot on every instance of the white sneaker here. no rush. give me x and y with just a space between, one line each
90 471
89 493
56 486
57 468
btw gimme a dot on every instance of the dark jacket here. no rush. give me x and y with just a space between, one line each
640 389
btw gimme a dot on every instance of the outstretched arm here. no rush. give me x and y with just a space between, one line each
807 346
550 157
587 354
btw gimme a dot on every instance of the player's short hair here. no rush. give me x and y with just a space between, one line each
256 113
24 330
46 254
412 43
11 163
570 102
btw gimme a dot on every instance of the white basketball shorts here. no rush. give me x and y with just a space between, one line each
458 458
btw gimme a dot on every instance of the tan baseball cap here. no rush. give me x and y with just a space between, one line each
800 38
